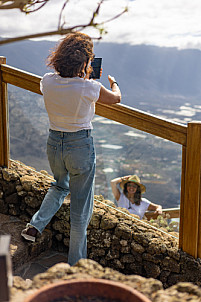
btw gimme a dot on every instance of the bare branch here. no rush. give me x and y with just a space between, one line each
117 16
60 16
44 34
64 31
27 10
23 5
15 4
96 12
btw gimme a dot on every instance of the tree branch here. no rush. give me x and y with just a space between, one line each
44 34
26 8
117 16
96 12
23 5
64 31
59 24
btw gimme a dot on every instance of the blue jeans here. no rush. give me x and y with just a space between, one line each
72 160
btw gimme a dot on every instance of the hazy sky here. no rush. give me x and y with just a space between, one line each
157 22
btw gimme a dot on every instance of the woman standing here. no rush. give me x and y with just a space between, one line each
131 197
70 99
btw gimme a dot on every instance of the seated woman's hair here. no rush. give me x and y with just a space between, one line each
70 54
137 195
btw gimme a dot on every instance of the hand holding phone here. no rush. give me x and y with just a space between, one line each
96 65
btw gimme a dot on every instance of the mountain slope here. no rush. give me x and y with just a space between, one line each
140 70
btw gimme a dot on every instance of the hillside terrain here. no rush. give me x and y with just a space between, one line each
162 81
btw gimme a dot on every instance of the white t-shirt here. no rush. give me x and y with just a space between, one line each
134 209
70 102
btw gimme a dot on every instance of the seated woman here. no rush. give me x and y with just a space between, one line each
131 197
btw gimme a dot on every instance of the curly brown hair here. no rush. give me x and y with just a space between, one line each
71 54
137 195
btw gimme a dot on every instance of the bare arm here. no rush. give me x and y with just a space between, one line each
110 97
155 207
115 190
114 183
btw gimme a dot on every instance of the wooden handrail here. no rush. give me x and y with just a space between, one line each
19 78
143 121
172 212
123 114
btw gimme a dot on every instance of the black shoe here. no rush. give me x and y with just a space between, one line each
29 233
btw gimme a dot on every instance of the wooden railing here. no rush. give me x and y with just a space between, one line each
188 136
171 212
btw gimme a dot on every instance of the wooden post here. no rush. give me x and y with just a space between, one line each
190 232
4 124
5 268
183 174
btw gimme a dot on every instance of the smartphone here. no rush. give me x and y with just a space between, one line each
96 65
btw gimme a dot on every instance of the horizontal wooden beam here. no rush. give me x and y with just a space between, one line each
172 212
21 78
144 121
123 114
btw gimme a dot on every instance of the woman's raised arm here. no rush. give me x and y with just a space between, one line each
115 190
110 97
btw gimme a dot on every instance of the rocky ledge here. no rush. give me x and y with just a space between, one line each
151 288
116 239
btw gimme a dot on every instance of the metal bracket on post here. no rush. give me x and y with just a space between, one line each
5 268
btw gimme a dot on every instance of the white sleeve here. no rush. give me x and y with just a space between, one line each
93 90
145 204
41 85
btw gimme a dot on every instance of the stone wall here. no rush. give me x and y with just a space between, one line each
115 240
